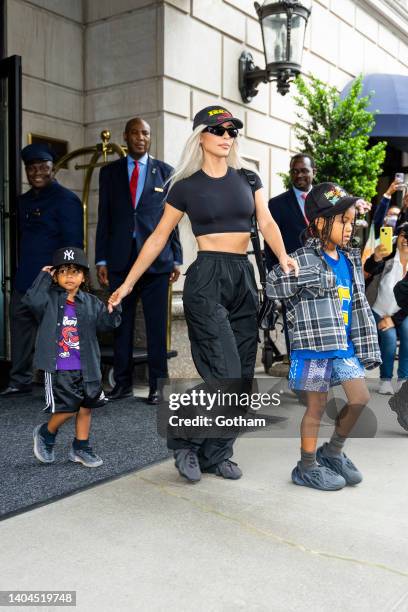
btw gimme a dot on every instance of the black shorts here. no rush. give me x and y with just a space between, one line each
66 391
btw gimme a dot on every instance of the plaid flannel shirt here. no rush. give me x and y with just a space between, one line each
314 316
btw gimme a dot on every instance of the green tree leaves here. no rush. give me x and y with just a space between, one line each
336 133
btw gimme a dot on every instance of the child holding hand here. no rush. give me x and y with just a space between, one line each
332 333
68 352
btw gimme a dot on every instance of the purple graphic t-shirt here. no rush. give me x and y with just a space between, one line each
68 356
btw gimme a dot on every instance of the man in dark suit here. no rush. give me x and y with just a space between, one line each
288 208
132 193
50 217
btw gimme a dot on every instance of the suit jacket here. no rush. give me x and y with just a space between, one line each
286 212
49 219
117 220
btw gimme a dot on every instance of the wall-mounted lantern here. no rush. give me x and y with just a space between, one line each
283 24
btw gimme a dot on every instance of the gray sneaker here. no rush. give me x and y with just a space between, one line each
86 456
44 452
399 404
225 469
320 477
187 464
340 464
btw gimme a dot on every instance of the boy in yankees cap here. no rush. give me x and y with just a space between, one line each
67 350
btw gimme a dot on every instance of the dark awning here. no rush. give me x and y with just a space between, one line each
390 99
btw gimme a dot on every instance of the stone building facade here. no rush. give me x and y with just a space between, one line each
92 64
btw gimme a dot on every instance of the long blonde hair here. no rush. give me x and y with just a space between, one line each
191 159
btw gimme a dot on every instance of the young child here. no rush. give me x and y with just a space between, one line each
332 333
68 352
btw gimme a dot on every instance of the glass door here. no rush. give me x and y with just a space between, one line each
10 184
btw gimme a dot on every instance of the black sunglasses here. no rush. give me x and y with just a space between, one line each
218 130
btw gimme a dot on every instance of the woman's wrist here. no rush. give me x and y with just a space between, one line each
128 286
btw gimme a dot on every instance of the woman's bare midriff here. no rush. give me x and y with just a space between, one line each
229 242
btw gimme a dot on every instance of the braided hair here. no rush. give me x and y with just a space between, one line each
323 234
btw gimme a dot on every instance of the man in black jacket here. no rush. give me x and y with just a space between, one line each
131 199
49 216
288 208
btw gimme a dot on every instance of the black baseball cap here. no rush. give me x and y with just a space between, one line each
214 115
402 229
70 255
327 200
36 152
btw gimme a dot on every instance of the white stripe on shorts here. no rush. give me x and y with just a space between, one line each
49 395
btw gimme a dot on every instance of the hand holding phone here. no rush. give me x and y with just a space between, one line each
386 235
400 177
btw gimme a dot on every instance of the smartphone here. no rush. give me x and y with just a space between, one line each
400 177
386 235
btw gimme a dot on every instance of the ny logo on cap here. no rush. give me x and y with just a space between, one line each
69 255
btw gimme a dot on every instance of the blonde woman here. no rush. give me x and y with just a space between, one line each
220 295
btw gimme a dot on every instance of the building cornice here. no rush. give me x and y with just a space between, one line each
393 11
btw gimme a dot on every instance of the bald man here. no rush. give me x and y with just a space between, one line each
131 200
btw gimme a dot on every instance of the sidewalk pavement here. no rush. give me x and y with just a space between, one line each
150 541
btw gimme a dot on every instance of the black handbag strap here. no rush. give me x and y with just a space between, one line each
256 243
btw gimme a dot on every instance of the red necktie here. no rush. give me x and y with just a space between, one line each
133 183
304 196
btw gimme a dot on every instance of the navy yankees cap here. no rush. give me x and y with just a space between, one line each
215 115
327 200
36 152
70 255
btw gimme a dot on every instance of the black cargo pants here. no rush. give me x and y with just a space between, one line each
220 305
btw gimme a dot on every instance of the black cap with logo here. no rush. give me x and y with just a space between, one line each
70 256
215 115
327 200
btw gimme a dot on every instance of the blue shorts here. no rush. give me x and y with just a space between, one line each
321 374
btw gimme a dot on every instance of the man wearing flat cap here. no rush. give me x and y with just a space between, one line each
50 216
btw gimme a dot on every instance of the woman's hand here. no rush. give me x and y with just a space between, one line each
174 276
380 252
287 264
395 185
385 323
117 296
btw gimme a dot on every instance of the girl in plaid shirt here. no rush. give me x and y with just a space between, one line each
332 333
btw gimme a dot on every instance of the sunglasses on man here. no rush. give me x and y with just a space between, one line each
219 130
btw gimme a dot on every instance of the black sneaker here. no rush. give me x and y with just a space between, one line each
187 464
399 404
12 391
226 469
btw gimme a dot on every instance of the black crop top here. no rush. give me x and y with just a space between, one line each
216 205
